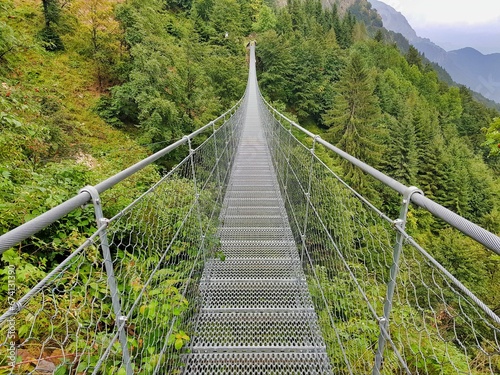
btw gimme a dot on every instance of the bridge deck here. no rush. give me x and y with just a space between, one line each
256 315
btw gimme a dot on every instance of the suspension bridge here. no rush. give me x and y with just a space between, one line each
250 256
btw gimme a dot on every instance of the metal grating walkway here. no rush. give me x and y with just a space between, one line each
256 314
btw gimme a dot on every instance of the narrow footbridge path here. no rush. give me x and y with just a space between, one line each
256 315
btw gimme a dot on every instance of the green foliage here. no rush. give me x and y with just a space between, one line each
51 12
352 119
387 109
266 20
413 57
172 83
49 35
7 39
51 40
357 329
493 137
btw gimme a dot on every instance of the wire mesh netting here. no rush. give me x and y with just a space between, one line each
437 325
74 322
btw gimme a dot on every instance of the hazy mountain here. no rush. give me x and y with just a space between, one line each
466 66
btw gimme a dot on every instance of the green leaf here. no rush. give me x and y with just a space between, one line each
220 255
171 339
178 344
62 370
23 330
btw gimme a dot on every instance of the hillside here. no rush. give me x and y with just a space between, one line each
79 102
52 141
301 68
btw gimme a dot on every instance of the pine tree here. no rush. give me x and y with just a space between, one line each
265 20
353 115
413 57
379 36
345 30
401 157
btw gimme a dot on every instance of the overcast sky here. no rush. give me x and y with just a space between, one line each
454 24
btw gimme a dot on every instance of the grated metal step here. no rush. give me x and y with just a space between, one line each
253 202
259 364
257 233
259 249
249 182
259 194
252 210
282 332
253 270
249 221
255 296
266 187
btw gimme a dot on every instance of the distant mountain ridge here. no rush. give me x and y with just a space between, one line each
467 66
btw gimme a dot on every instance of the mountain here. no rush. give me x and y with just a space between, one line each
467 66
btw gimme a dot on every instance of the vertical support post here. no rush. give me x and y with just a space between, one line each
287 160
226 151
217 160
108 264
399 225
308 200
197 199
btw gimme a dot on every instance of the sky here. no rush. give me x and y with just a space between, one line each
454 24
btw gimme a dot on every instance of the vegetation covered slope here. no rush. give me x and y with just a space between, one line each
153 70
52 142
387 109
391 111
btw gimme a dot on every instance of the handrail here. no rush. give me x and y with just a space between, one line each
481 235
36 224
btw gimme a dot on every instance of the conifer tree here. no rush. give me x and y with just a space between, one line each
379 36
353 115
413 57
265 20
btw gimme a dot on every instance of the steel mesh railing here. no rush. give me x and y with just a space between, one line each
385 304
122 302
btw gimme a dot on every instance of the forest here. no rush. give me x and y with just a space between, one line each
89 87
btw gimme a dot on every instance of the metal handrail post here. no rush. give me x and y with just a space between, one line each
197 200
308 200
108 264
217 157
399 225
